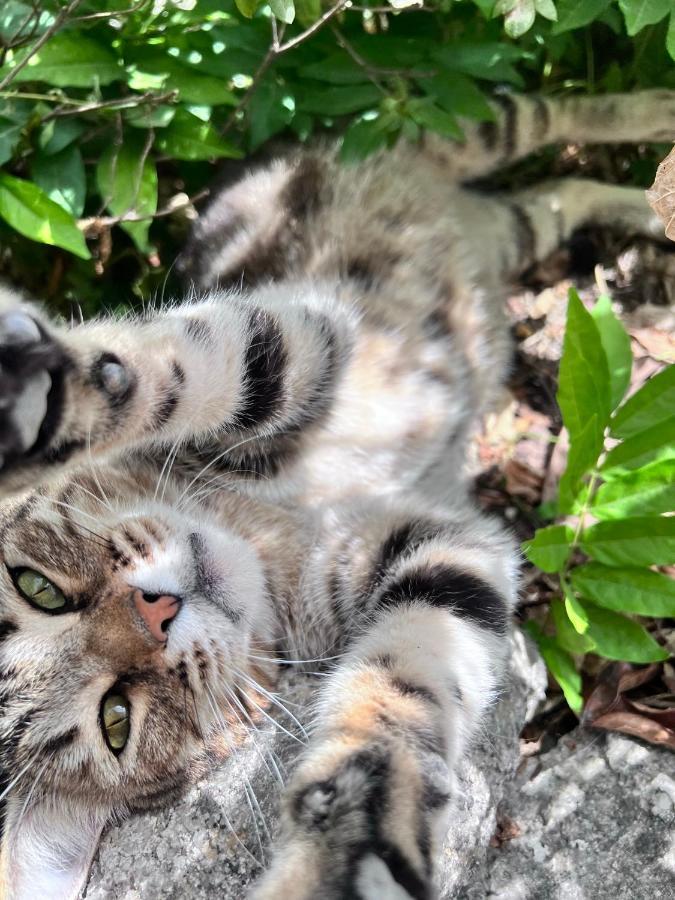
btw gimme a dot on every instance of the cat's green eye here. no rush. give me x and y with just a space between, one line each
39 591
115 720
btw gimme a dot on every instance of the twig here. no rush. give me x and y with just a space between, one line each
94 225
315 26
112 15
41 41
275 49
358 59
119 103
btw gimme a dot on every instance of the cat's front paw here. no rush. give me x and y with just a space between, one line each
351 829
31 375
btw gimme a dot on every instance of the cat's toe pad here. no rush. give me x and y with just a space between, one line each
29 361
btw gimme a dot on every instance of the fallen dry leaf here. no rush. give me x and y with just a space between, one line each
661 195
650 718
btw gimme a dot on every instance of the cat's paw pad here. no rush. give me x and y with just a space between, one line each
29 362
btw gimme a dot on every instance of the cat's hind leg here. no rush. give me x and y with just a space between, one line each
530 224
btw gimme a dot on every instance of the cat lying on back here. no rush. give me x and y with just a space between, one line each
271 470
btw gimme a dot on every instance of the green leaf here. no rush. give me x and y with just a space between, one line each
546 8
247 7
576 613
71 59
17 18
616 344
639 541
550 547
582 456
150 117
59 133
650 489
157 72
30 212
338 68
617 637
567 636
458 95
284 10
308 11
657 442
583 389
127 183
626 589
488 60
10 132
337 101
362 138
432 117
576 13
560 665
61 176
518 15
670 37
651 405
639 13
187 137
267 113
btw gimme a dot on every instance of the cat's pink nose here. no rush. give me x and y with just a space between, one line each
157 611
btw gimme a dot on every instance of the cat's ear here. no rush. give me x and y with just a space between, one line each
47 849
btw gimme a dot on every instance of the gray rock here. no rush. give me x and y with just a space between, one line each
597 822
207 844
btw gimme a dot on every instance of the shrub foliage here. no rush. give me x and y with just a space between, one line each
614 497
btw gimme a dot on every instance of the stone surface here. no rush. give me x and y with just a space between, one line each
596 816
206 845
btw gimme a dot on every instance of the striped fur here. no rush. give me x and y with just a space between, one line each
282 455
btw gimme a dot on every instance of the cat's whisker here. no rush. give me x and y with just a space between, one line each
95 536
197 495
282 661
258 863
169 461
94 473
95 497
251 798
215 459
17 778
275 771
276 723
273 698
36 780
88 535
79 512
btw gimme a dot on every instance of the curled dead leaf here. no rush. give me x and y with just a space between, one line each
651 718
661 195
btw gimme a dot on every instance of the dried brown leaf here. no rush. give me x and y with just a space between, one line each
638 726
661 195
608 707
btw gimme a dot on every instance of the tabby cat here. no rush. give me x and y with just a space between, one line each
271 470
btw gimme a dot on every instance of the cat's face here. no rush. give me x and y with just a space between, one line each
125 628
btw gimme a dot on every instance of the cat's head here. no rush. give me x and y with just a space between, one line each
125 634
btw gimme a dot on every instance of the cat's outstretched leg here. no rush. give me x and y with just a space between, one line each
237 365
423 604
527 225
523 124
